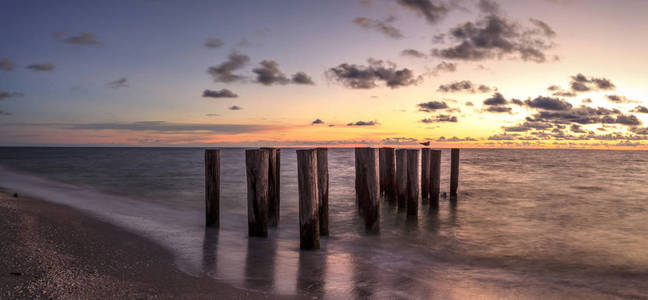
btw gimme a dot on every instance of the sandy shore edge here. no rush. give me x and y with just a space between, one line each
53 251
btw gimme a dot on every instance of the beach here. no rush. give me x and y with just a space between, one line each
53 251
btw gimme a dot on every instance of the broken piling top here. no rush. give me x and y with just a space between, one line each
309 230
257 166
368 187
212 187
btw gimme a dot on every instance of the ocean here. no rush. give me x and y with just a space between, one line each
527 223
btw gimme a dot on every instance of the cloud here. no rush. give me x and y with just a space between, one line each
546 29
432 106
366 77
581 83
235 107
443 139
444 66
432 10
489 7
4 113
464 86
223 93
468 103
363 123
548 103
214 43
7 95
413 53
45 67
6 65
383 26
495 37
496 99
119 83
212 115
619 99
225 71
439 119
641 109
499 109
317 121
526 126
161 126
584 115
399 141
83 39
302 78
269 73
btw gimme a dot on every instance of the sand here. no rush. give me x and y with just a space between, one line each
54 251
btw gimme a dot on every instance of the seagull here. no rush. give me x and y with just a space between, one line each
425 143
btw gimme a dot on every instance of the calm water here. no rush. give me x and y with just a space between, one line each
528 223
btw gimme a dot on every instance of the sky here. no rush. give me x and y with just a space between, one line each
462 73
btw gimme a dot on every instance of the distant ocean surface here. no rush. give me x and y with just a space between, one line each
527 224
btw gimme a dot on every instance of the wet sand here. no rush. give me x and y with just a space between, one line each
54 251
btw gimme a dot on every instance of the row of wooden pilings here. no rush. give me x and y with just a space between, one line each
394 173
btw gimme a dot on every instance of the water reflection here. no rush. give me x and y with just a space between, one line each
210 248
260 263
311 273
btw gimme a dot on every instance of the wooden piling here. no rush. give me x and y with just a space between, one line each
388 175
273 185
413 179
212 188
425 175
401 177
323 188
454 172
309 231
435 178
257 165
368 187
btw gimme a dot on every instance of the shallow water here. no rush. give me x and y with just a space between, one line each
527 224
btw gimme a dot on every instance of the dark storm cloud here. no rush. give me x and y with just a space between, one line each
383 26
432 106
161 126
214 43
6 95
440 119
363 123
495 37
366 77
225 71
235 107
317 121
432 10
6 65
495 100
464 86
302 78
641 109
119 83
268 73
548 103
45 67
83 39
223 93
582 83
413 53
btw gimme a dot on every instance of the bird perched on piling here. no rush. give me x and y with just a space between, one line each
425 143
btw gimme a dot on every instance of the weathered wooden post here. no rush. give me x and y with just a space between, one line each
412 181
212 188
454 172
425 175
381 164
309 230
367 187
273 185
388 164
435 178
323 188
257 164
401 177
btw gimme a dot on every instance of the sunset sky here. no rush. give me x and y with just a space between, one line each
470 73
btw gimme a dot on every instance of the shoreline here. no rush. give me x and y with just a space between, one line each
54 251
